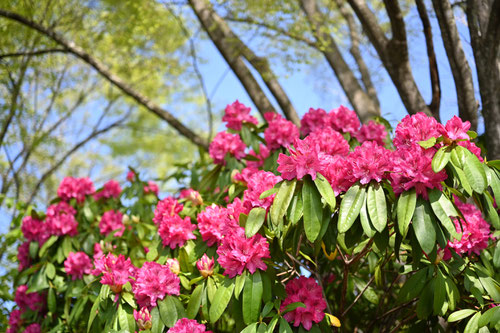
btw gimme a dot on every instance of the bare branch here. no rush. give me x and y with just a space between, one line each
110 77
32 53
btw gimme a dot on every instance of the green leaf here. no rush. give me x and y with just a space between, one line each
194 302
440 159
423 226
157 322
221 300
123 320
284 326
129 298
439 292
494 182
239 284
50 270
496 256
48 244
427 143
252 297
33 249
270 192
406 207
252 328
350 207
377 207
425 302
488 315
460 314
168 312
282 200
475 174
295 210
94 311
443 208
463 180
313 210
473 324
293 306
413 286
51 300
255 220
367 226
325 189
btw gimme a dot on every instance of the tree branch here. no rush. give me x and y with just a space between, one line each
32 53
110 77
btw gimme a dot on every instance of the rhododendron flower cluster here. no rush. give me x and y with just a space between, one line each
237 113
307 291
413 129
15 321
304 159
329 141
33 301
206 266
372 131
238 253
166 208
175 231
76 188
185 325
258 183
474 229
152 187
143 319
111 189
264 153
77 264
152 282
226 143
455 129
116 271
280 132
35 230
212 223
314 119
23 255
61 219
33 328
344 120
369 162
112 221
336 170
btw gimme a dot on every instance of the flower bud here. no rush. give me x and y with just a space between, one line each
173 264
206 266
143 319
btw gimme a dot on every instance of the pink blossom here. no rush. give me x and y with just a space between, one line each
175 231
61 219
238 253
236 208
244 175
474 229
111 189
33 328
338 173
369 162
206 266
237 113
112 220
151 188
130 176
98 253
307 291
314 119
191 195
185 325
329 141
280 132
264 153
153 282
211 222
344 120
15 321
412 169
77 264
413 129
303 160
34 301
23 256
173 264
226 143
76 188
143 319
471 146
258 183
166 208
455 129
116 271
372 131
35 230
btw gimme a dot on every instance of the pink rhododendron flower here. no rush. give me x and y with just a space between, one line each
307 291
338 173
116 271
264 153
151 188
185 325
111 189
174 265
344 120
23 256
35 230
258 183
369 162
237 113
206 266
303 160
34 301
244 175
15 321
143 319
471 146
175 231
474 229
226 143
412 169
329 141
413 129
61 219
455 129
153 282
130 176
76 188
77 264
112 220
238 253
98 253
33 328
211 222
314 119
166 208
280 132
372 131
191 195
236 208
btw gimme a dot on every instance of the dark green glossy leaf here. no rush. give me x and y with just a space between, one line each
282 200
443 208
406 207
376 205
475 174
423 226
325 189
350 207
460 314
195 302
255 220
440 159
252 297
221 300
313 210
